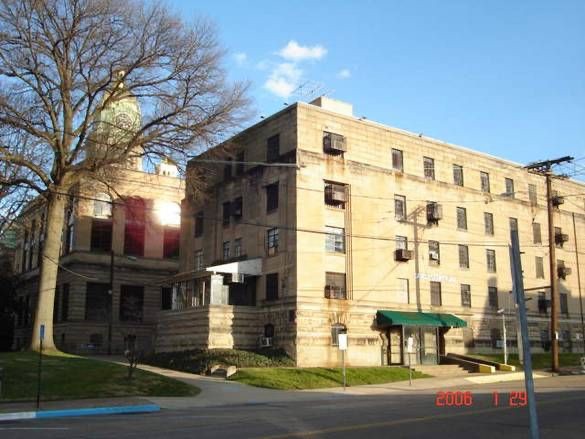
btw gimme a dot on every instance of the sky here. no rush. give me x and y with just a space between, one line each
502 77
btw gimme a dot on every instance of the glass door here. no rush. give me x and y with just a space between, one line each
414 332
395 345
428 352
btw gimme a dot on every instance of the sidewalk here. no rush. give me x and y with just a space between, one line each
27 406
219 392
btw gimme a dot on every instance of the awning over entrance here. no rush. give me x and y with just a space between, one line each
390 318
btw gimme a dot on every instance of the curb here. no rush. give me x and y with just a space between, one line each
46 414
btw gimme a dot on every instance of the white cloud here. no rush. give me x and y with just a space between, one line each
240 58
293 52
262 65
344 74
284 79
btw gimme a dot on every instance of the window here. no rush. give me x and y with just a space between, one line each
272 286
97 302
401 243
335 286
488 221
485 181
273 148
238 247
397 160
493 297
64 302
166 298
434 253
240 159
199 224
227 170
226 213
335 195
171 238
510 188
458 175
463 256
69 232
465 295
539 264
429 168
436 299
564 304
102 205
536 235
532 196
495 338
272 197
272 241
33 228
334 144
134 230
403 293
461 218
226 250
336 329
335 239
237 208
25 245
131 303
400 207
101 235
491 260
56 304
513 224
198 260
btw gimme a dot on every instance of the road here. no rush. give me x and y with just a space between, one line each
560 402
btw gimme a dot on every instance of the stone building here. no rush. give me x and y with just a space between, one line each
370 230
125 233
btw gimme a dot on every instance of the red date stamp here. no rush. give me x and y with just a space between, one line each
465 399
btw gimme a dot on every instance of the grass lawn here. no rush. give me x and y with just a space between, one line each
71 377
539 361
319 377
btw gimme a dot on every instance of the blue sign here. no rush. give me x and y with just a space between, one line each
42 332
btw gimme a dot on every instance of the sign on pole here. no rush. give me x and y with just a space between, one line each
342 342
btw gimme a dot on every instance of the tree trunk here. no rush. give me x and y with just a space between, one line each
48 272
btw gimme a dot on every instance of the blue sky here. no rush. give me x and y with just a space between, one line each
503 77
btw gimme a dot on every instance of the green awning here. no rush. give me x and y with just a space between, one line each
390 318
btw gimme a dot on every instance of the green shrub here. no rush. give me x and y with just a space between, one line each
199 360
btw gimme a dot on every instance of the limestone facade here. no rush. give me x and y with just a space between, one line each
336 258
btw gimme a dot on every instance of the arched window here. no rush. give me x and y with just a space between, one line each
102 205
336 329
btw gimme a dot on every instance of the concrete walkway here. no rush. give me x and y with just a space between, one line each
220 392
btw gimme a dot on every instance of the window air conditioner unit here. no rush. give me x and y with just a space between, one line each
236 210
333 292
433 255
563 271
272 251
434 212
561 238
557 200
265 342
237 278
334 143
403 254
336 194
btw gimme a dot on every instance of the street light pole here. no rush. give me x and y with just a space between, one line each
503 312
111 302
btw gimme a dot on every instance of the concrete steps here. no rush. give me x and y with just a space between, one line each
441 370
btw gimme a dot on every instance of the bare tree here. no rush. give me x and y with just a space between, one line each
63 63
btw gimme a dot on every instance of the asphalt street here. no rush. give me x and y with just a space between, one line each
561 413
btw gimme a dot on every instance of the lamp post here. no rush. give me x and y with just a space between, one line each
503 312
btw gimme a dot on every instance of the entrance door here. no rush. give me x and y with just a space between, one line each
428 352
412 331
395 345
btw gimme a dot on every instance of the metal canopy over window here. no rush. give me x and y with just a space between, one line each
393 318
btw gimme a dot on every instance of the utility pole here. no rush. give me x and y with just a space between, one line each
579 282
545 168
